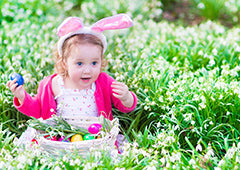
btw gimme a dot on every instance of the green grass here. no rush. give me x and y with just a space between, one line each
225 11
186 80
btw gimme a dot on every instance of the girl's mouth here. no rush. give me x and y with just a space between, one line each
85 79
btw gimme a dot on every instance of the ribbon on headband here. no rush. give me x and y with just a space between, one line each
74 25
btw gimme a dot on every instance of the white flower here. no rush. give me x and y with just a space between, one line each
237 159
199 148
144 153
214 51
209 153
192 162
168 165
146 107
57 168
20 165
2 165
213 98
164 152
22 158
203 99
175 157
65 158
221 162
150 168
211 62
163 160
238 145
202 106
201 5
77 162
206 125
231 152
160 99
217 168
71 162
39 12
237 49
200 52
113 153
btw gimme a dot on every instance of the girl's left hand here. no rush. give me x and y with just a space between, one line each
120 91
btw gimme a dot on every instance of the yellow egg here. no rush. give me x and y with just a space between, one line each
76 138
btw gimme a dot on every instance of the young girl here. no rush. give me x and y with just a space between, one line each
79 87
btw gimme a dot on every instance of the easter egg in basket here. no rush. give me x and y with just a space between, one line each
94 128
34 141
76 138
63 139
88 137
54 138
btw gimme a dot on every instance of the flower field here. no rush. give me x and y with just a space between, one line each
186 79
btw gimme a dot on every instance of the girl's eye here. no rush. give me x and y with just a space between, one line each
79 63
94 63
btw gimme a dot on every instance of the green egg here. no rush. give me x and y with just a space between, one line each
88 137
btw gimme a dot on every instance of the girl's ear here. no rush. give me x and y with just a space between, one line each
64 66
64 63
70 24
119 21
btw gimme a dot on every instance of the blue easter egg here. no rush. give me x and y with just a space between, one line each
19 78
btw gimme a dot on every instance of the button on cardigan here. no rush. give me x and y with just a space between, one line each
43 104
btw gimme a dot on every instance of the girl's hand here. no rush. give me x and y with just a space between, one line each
17 91
120 91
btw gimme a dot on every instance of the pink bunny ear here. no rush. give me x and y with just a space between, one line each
70 24
119 21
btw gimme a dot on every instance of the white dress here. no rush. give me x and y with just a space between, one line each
74 102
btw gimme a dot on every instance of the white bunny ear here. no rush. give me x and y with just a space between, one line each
70 24
119 21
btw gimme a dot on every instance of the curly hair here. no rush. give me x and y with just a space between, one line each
67 46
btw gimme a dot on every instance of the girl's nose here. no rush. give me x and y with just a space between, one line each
86 69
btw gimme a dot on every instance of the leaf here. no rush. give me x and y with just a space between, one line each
55 125
106 125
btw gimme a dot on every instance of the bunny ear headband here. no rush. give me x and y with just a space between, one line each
73 25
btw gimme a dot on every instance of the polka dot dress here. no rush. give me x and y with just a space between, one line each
76 102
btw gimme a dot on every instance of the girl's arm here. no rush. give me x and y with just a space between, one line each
18 92
30 106
26 104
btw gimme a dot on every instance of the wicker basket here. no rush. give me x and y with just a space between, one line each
82 147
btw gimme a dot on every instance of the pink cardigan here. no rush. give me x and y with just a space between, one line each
43 104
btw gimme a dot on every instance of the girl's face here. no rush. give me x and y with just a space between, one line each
83 66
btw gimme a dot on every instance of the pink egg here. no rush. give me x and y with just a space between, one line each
63 139
94 128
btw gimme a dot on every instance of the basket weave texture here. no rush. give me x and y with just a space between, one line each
81 147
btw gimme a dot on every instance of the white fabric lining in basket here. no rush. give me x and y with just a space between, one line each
81 147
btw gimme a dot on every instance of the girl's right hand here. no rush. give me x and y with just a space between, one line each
17 91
